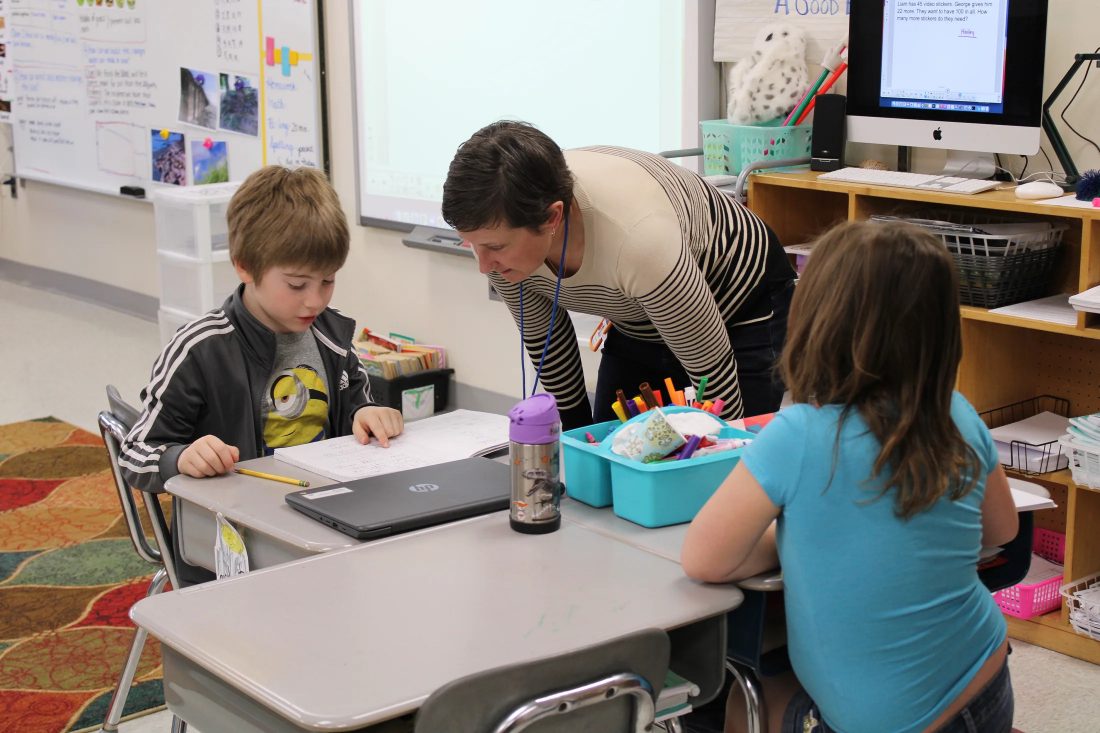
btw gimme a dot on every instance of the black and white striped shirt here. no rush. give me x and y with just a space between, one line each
667 258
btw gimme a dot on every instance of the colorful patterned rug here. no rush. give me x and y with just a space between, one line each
68 576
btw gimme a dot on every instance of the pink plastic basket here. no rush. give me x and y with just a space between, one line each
1025 601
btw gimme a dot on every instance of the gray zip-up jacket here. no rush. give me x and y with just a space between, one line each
205 380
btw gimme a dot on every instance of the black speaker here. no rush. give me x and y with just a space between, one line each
829 134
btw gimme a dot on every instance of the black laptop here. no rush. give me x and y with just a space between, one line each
392 503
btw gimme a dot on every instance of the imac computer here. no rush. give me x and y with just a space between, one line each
960 75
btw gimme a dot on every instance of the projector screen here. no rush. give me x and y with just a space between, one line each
428 74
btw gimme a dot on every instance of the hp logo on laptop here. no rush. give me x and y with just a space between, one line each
423 488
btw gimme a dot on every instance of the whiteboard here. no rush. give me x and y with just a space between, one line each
634 73
110 94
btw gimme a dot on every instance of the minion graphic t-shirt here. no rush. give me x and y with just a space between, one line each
294 408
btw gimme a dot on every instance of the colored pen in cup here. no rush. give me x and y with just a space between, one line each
620 397
699 393
689 447
647 395
590 438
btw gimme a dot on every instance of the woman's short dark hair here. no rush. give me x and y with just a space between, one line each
506 173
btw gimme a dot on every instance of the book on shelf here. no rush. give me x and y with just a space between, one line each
390 358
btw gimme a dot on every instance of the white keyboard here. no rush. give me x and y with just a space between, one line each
923 181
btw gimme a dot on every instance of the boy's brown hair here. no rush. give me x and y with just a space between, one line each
284 216
874 328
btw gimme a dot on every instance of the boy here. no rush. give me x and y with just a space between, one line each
273 366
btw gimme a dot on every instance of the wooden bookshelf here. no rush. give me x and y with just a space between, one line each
1006 359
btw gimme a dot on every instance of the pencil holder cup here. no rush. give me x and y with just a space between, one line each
649 494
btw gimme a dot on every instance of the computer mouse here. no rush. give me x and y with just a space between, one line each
1039 190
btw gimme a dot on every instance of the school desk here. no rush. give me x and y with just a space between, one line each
272 531
353 637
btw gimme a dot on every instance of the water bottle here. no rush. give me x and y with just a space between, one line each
533 436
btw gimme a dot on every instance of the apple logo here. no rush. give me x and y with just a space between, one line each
937 134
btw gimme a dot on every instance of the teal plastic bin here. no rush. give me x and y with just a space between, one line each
649 494
587 470
728 148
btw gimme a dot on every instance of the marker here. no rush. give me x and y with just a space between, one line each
647 395
632 408
671 388
657 396
619 412
707 405
623 401
640 403
590 438
716 408
270 477
689 447
702 389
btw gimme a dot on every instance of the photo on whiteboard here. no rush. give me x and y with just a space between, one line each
199 98
209 163
240 104
169 157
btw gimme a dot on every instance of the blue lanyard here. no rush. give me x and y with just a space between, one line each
553 319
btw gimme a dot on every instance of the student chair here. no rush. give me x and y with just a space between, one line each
114 424
603 688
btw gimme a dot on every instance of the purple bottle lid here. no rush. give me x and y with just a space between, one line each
535 420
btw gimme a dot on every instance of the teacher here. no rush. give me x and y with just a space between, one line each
694 284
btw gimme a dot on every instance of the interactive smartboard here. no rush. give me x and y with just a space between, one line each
119 96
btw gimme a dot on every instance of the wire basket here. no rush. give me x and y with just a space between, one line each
1034 599
1083 601
995 268
1021 456
728 148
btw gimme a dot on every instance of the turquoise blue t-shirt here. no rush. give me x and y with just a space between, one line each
887 621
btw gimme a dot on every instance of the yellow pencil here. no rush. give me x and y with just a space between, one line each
271 476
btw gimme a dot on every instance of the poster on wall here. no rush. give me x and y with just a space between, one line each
5 66
736 23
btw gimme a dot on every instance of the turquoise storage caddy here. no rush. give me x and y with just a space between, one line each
649 494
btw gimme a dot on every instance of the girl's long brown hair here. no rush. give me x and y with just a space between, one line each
874 327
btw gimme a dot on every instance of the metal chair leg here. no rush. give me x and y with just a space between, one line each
126 680
672 725
178 726
756 709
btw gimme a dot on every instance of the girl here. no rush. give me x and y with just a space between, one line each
883 485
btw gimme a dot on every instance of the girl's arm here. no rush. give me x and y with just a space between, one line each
733 536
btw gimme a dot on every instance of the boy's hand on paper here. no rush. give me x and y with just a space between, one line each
381 422
207 456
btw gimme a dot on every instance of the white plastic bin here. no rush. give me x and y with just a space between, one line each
170 321
193 286
191 221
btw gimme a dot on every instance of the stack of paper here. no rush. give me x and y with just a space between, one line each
1028 496
1032 444
447 437
1054 309
1088 301
1041 569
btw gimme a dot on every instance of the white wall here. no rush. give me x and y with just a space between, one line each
435 297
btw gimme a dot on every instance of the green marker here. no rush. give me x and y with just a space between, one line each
699 393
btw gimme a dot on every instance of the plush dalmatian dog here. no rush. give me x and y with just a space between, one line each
769 82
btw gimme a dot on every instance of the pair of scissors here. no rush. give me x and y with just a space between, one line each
595 341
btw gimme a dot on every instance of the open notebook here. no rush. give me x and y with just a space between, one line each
439 439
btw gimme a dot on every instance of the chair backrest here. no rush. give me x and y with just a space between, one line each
114 424
603 688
